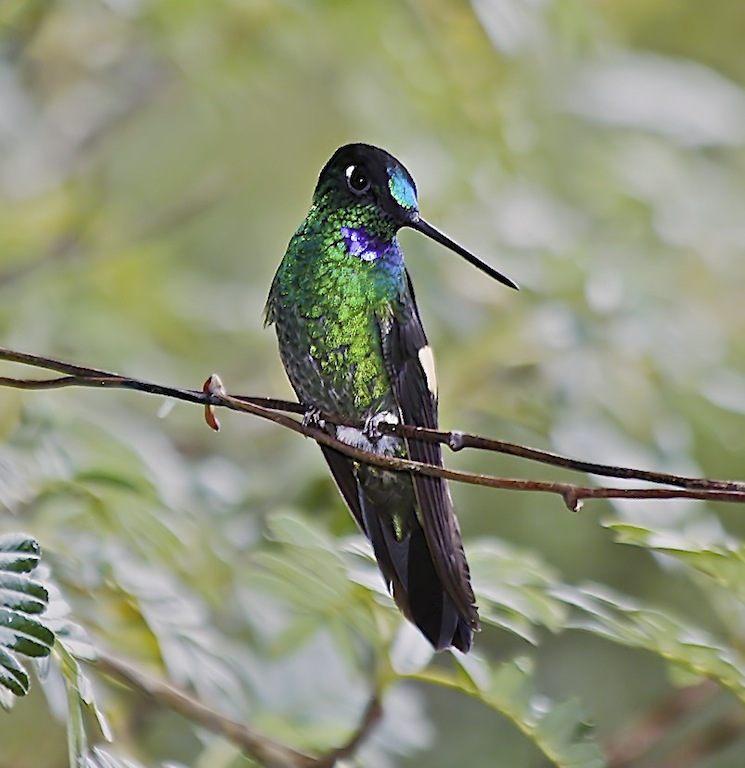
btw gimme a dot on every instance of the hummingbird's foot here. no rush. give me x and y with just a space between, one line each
312 418
371 430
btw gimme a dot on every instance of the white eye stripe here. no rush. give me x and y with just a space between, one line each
427 361
349 171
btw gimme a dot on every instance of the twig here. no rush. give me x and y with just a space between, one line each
370 718
276 411
269 752
457 441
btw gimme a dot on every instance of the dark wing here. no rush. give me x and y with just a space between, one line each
345 477
410 368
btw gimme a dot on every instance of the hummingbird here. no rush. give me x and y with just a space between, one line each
352 344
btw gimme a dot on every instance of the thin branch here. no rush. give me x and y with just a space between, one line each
457 441
276 412
269 752
370 718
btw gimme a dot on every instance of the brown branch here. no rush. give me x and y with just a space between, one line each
457 441
269 752
370 718
276 412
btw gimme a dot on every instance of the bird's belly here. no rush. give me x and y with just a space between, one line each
334 370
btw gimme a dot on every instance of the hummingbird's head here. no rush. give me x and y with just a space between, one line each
378 196
370 184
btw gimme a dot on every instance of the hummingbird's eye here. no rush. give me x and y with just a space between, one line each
357 180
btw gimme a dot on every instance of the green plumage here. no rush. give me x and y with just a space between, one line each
352 343
330 301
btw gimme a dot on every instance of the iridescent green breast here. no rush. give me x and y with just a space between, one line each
327 305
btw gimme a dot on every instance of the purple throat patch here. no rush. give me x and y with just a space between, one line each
362 245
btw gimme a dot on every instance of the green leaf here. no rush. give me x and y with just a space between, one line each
410 651
560 731
472 668
12 675
120 481
18 553
513 588
723 562
295 634
624 620
21 601
290 529
24 634
192 649
80 698
312 577
20 593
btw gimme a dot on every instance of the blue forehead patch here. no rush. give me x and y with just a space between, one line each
403 191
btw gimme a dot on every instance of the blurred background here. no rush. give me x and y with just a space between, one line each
155 158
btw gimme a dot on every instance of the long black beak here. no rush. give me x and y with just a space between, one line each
440 237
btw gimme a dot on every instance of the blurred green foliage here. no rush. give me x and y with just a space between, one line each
155 157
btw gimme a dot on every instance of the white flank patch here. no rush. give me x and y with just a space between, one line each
353 436
385 445
427 361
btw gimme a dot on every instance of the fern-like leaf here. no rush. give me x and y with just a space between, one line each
22 600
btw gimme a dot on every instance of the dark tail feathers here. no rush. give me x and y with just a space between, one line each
409 570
